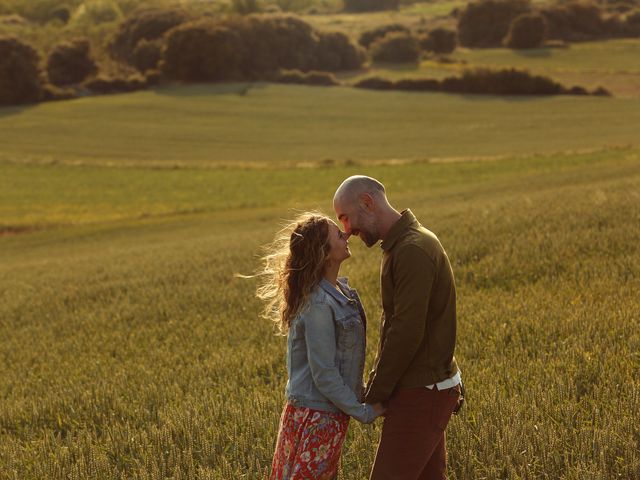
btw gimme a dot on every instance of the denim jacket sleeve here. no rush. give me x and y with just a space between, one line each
320 338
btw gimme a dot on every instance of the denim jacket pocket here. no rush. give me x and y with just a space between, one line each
348 332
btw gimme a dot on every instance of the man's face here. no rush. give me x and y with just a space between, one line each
357 221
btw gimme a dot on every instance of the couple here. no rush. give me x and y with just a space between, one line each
415 383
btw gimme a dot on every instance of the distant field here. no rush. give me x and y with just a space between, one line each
612 64
230 124
44 196
130 351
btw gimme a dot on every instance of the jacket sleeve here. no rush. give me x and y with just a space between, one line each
320 338
413 274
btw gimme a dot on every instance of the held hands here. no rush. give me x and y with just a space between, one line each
379 408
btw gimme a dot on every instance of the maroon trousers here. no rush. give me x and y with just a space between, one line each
412 445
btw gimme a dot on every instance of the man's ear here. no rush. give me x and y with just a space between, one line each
367 202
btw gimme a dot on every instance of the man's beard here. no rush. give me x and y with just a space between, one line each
369 238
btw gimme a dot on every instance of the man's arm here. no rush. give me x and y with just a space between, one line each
413 276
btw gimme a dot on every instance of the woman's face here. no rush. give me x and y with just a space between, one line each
339 246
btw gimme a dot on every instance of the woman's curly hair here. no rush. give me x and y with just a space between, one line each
293 265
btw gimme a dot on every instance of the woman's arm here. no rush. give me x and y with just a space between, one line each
320 338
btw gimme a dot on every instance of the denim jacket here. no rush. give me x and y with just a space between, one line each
325 353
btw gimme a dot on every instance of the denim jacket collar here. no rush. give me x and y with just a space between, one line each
331 290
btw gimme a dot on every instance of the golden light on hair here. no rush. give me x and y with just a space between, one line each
294 264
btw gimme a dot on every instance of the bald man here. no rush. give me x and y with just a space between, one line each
415 373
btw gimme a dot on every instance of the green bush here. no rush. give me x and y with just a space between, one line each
62 13
370 5
575 22
204 51
147 54
254 47
94 12
307 78
502 82
278 42
633 19
39 11
484 82
104 84
19 72
13 20
375 83
396 47
245 7
145 24
52 92
440 40
485 23
335 52
527 31
70 62
368 37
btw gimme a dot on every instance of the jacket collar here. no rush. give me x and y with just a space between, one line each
331 290
397 229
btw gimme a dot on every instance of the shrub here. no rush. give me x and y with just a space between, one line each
574 22
62 13
601 92
616 26
153 77
633 18
37 11
486 23
106 84
577 91
278 41
375 83
418 84
335 52
370 5
245 7
254 47
632 24
70 62
482 81
502 82
308 78
527 31
439 40
203 51
145 24
52 92
13 20
147 54
397 48
94 12
19 73
368 37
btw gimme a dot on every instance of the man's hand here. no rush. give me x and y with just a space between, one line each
379 408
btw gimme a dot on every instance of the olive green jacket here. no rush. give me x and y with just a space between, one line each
418 327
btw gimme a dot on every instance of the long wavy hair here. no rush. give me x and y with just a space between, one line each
293 265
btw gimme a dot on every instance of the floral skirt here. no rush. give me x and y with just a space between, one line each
309 444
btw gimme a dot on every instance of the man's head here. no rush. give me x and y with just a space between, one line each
359 203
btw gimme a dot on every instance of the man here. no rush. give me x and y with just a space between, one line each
415 373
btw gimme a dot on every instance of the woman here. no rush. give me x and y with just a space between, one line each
325 323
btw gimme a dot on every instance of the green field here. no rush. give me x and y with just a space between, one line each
273 124
130 350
